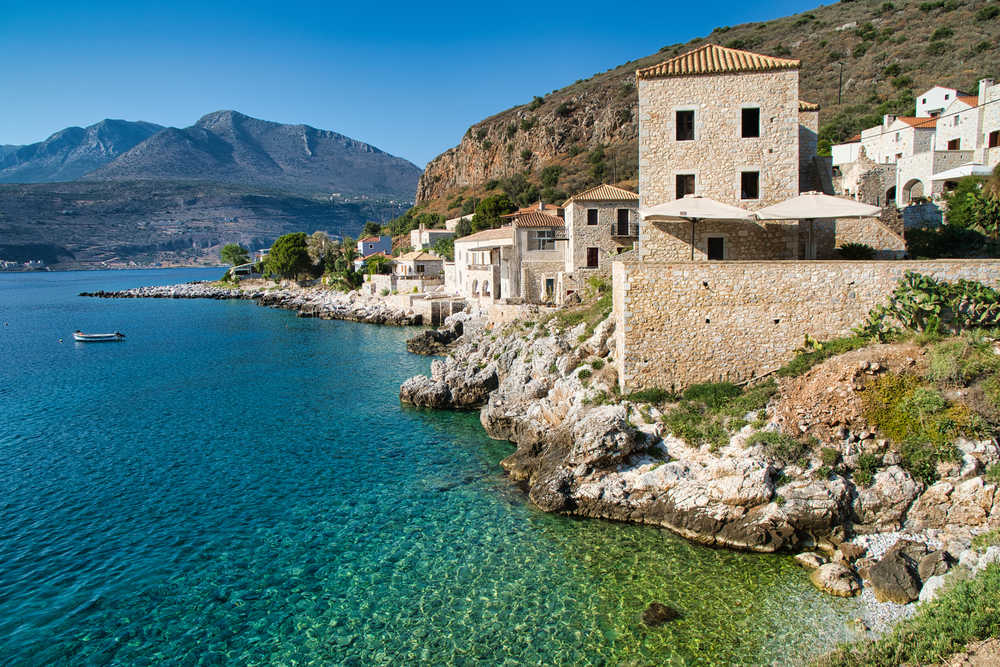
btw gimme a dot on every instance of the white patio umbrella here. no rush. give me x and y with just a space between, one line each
969 169
812 205
695 208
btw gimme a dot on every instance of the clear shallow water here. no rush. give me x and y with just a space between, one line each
236 485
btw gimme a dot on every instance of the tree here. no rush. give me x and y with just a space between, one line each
959 205
289 256
445 248
985 213
489 210
378 264
463 228
235 254
372 229
322 250
550 175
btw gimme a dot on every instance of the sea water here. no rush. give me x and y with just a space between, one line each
232 484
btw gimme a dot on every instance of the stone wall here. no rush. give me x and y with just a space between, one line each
808 138
683 323
832 234
671 241
601 236
718 154
533 275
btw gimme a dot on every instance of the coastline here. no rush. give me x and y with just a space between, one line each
316 302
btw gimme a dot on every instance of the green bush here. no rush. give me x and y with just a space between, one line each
536 102
992 474
689 422
779 446
856 251
651 395
961 360
944 32
584 374
597 364
712 394
830 456
988 12
859 50
864 471
565 109
984 541
938 48
968 611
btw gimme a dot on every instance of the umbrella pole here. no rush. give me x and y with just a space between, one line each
811 250
692 239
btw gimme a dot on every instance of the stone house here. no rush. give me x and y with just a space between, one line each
539 257
419 264
601 223
483 269
729 125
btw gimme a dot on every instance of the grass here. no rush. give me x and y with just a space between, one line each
864 471
709 412
814 353
651 395
968 611
779 446
984 541
962 360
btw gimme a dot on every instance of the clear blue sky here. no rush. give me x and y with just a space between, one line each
407 77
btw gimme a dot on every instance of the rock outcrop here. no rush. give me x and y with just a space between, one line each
306 302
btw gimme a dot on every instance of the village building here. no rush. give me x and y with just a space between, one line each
419 264
483 270
423 238
373 244
601 223
911 160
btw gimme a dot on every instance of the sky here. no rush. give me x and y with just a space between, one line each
408 78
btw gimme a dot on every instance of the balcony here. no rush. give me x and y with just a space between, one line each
624 231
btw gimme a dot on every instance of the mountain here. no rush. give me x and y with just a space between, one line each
73 152
229 147
887 51
83 224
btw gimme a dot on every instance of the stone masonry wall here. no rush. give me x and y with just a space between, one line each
808 138
682 323
718 154
600 236
671 241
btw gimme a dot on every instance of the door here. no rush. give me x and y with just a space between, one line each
622 222
591 258
716 248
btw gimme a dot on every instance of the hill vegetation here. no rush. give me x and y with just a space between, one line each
860 59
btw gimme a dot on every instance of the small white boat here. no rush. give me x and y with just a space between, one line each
81 337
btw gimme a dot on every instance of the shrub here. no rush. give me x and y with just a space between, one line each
988 12
779 446
688 422
597 364
931 6
651 395
859 51
887 7
944 32
528 123
526 155
565 109
830 456
550 175
535 103
961 360
384 291
937 48
864 471
584 374
984 541
856 251
993 474
712 394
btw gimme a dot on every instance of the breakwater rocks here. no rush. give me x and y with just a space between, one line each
581 449
306 302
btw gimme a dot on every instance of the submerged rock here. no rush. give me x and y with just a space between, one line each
656 614
810 560
835 579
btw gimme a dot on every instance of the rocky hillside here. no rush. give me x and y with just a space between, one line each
228 147
70 153
95 224
887 51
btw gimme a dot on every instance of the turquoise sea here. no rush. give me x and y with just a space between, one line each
233 485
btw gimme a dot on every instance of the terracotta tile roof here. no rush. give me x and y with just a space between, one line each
417 256
922 123
550 209
856 138
971 100
369 239
604 192
808 106
715 59
499 234
538 219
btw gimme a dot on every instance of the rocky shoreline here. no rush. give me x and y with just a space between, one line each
305 301
583 450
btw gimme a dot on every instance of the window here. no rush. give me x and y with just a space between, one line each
622 222
897 137
685 125
685 185
750 185
954 144
550 287
994 139
716 248
591 216
751 123
955 123
545 239
923 101
946 96
591 258
420 268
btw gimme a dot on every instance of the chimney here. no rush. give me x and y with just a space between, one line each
888 120
541 206
984 86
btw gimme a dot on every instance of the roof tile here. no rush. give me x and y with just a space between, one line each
538 219
808 106
498 234
604 192
715 59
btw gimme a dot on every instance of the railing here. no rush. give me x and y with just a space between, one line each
625 230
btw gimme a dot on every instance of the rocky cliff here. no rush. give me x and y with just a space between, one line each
859 60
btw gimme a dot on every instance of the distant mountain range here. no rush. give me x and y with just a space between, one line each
222 147
122 193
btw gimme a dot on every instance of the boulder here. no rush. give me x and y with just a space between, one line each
810 560
656 614
894 578
883 505
932 587
835 579
934 564
852 551
603 437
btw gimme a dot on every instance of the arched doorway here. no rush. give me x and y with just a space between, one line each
914 189
890 196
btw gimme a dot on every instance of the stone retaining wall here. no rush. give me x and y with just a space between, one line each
684 323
